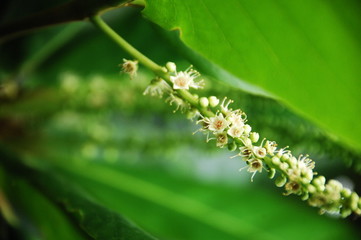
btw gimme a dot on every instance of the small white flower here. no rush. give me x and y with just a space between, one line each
254 166
236 118
157 88
293 187
283 151
218 123
130 67
222 139
259 152
185 80
235 131
305 162
270 147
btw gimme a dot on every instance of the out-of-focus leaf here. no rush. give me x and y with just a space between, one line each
95 220
38 217
307 53
177 208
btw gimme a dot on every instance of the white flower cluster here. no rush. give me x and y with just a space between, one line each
229 128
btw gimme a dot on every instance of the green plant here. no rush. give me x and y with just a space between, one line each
81 142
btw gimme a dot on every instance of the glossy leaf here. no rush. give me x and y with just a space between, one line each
307 53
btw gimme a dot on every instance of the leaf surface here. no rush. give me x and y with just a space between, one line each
306 53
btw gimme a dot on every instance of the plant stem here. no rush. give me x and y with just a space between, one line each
148 63
97 21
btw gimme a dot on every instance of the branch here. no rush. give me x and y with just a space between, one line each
74 10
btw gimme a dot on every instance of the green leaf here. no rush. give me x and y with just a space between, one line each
307 53
94 220
178 208
38 217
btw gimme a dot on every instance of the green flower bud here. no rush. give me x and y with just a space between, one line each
271 173
203 101
305 196
213 101
280 181
171 67
276 161
284 166
345 212
311 188
232 146
247 128
254 137
345 192
354 201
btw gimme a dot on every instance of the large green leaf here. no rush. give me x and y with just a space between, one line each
305 52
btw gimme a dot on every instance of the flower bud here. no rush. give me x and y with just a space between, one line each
305 180
321 179
271 173
130 67
305 196
346 192
284 166
311 188
276 161
354 201
280 181
213 101
247 129
254 137
247 142
232 146
345 212
171 67
203 101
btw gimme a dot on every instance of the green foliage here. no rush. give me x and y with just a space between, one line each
96 221
307 53
107 151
